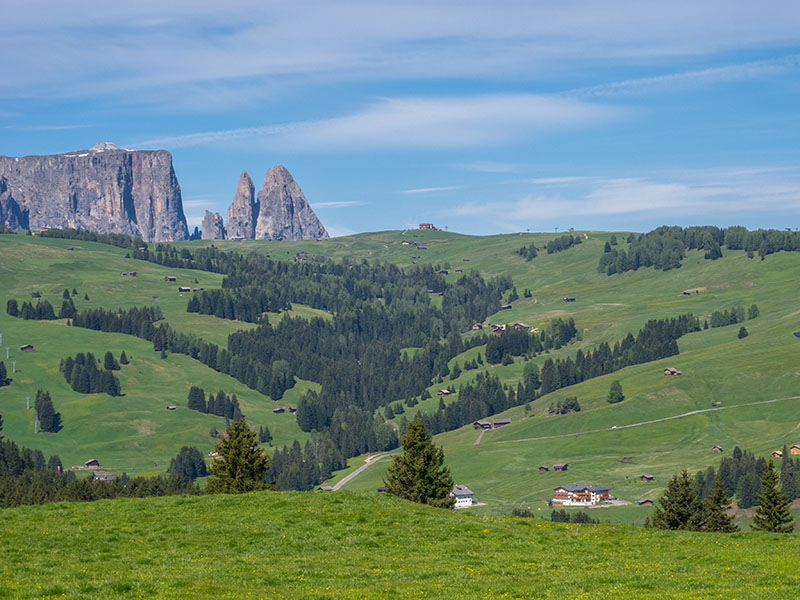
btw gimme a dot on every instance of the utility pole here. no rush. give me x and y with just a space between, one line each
1 339
556 229
36 426
6 352
13 366
28 398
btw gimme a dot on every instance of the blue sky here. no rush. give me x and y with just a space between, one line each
479 117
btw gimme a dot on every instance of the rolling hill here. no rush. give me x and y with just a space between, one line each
720 371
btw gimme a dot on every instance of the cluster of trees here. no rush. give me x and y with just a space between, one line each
528 252
189 464
4 229
27 478
565 406
296 468
49 419
221 405
4 378
84 376
43 311
564 516
120 240
134 321
664 248
741 475
518 342
243 304
681 507
562 243
734 315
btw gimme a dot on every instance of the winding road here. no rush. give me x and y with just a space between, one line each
344 480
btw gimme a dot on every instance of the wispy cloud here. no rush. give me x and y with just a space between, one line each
416 122
697 193
47 127
199 203
688 79
337 204
433 190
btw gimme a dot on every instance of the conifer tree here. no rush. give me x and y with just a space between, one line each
419 474
788 474
123 359
678 507
197 399
4 380
715 507
49 419
110 363
773 512
243 463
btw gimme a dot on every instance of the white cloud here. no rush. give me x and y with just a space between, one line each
337 204
157 49
433 190
553 180
415 122
678 81
199 203
709 193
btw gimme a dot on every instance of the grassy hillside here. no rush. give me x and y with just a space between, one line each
133 433
344 545
718 367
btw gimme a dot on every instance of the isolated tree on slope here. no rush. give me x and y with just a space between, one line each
419 474
773 512
679 505
615 393
243 463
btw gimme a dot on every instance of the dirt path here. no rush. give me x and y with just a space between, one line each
480 435
344 480
687 414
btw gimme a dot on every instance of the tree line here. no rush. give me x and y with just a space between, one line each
49 419
518 342
562 243
221 405
664 247
27 478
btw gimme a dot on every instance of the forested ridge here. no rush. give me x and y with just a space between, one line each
665 247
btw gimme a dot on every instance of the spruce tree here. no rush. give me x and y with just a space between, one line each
678 507
197 399
419 474
110 363
772 513
4 380
242 465
123 359
49 419
715 511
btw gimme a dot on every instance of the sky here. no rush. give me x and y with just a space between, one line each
478 117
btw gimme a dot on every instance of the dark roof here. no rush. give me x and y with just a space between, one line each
560 465
579 487
648 476
461 490
501 421
797 334
326 488
644 501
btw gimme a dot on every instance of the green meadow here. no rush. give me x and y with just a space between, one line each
344 545
720 371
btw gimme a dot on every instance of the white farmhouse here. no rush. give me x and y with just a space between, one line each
463 496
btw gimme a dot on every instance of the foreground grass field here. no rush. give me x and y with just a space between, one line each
345 545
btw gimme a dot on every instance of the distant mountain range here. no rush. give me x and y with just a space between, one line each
111 189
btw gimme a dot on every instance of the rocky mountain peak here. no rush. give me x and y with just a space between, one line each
283 211
243 211
105 146
213 227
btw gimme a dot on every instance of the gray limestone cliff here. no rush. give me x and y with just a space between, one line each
11 215
104 189
213 227
283 211
243 211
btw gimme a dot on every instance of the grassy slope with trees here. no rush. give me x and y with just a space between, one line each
717 366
